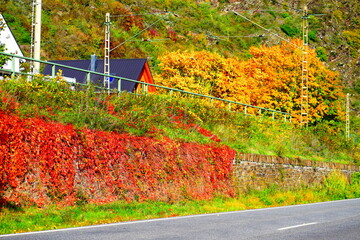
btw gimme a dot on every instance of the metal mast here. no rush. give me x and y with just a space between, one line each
347 132
107 51
304 117
32 35
36 36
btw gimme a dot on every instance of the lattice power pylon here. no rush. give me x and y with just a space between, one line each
107 51
32 35
35 47
304 117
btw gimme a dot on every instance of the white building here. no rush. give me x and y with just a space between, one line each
11 46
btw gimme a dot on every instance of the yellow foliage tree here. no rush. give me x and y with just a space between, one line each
270 79
193 71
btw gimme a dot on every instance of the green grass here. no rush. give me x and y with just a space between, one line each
17 219
53 217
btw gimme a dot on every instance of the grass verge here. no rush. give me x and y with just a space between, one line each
16 219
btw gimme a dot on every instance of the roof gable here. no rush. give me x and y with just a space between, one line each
7 38
11 46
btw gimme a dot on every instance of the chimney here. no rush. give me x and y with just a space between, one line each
93 63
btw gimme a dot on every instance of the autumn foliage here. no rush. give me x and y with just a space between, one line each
271 78
45 162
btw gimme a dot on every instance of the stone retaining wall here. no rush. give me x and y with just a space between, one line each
253 171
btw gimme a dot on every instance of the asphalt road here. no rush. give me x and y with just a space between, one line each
338 220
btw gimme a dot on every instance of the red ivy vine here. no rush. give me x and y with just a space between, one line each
45 162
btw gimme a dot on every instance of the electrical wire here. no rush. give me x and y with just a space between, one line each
137 34
150 40
238 14
142 14
249 36
298 10
285 5
260 10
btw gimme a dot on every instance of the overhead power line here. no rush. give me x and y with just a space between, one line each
150 40
260 10
140 14
285 5
137 34
300 11
277 35
248 36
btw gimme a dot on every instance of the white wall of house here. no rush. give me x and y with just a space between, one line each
7 38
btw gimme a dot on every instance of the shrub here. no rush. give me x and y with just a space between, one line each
335 185
290 30
321 54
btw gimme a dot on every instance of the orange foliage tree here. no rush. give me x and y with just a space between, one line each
270 79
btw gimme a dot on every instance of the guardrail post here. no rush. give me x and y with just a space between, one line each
53 67
119 85
146 88
13 66
245 110
88 78
273 115
229 107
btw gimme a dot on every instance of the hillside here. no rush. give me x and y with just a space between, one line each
225 55
74 29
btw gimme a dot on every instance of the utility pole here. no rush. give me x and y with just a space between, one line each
32 37
347 130
107 51
36 36
304 117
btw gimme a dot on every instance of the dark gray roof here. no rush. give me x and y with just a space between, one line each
125 68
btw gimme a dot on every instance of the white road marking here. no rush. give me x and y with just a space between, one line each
297 226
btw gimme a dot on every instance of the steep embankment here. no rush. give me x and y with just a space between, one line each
59 145
44 161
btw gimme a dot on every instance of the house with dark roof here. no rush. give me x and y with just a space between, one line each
135 69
